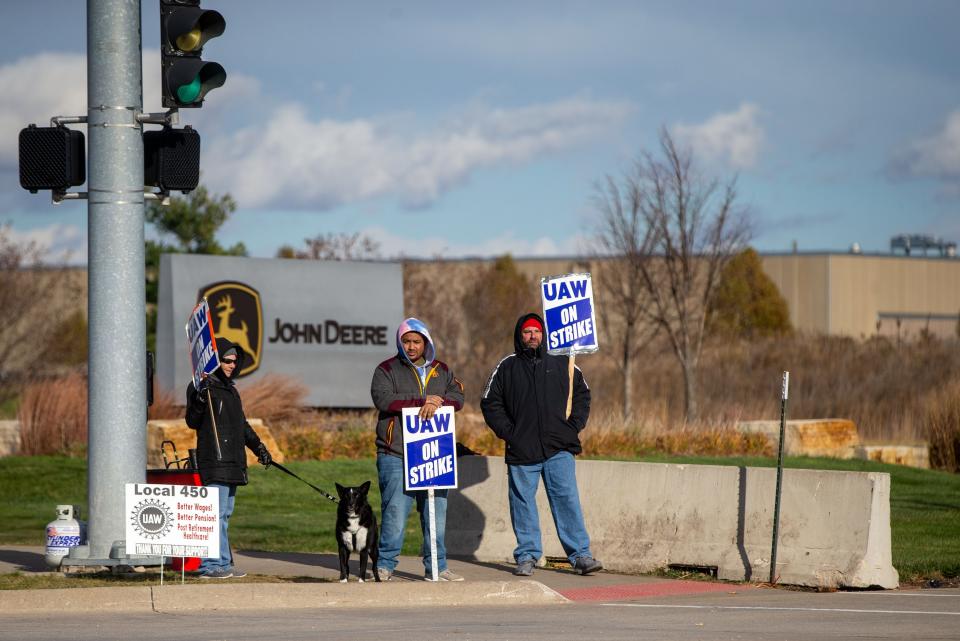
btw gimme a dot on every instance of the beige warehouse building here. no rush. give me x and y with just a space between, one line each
864 294
849 294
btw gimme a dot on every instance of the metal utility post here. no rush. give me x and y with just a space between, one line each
117 369
784 395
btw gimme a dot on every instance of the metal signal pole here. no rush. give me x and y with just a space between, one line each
116 452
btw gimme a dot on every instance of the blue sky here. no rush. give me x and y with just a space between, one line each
447 128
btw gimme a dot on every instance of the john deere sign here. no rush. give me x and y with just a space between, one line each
238 317
324 324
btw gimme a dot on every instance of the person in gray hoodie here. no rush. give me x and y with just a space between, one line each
412 378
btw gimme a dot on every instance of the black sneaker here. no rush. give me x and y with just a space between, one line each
586 565
524 568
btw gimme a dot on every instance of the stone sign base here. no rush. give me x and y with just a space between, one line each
184 439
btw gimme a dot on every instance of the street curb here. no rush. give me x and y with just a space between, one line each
252 596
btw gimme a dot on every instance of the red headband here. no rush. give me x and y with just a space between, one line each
532 322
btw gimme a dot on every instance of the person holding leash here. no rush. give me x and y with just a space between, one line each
524 403
412 378
215 411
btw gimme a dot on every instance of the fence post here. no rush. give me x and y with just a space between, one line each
784 392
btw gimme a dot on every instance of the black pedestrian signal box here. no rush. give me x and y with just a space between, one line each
184 30
52 158
171 159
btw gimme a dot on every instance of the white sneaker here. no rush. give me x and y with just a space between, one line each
446 575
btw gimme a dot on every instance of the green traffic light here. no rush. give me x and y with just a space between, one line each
189 92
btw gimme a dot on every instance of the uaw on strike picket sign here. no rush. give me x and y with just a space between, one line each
203 345
172 520
429 450
569 314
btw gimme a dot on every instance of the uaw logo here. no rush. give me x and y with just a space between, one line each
151 519
237 317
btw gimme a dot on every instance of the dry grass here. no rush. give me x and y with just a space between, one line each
350 435
895 393
943 428
53 416
885 388
609 436
53 411
277 399
327 435
166 404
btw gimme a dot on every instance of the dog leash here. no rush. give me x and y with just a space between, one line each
283 469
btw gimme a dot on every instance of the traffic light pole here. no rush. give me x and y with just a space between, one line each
116 452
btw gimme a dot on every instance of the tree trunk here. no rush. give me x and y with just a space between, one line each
689 390
626 364
627 385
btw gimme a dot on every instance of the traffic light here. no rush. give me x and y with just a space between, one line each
184 29
171 159
51 158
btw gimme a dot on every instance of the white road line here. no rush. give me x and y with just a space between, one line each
761 607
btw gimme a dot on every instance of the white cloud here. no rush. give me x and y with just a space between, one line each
935 157
58 244
735 138
34 89
393 245
293 160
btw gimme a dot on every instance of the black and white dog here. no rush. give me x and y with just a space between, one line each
356 530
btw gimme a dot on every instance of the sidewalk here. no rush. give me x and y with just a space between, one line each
484 583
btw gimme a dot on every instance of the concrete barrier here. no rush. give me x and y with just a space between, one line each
184 438
833 437
834 526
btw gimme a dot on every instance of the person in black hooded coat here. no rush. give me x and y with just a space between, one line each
525 403
225 469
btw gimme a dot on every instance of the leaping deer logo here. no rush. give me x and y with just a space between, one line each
238 335
237 317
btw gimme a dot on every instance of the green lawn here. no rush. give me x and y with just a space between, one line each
273 512
277 512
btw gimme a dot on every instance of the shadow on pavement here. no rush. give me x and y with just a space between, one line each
328 561
24 561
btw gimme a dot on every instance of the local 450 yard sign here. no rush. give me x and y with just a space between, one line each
570 314
429 450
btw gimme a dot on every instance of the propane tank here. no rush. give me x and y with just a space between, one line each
62 534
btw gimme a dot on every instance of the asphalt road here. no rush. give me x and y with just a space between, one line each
753 614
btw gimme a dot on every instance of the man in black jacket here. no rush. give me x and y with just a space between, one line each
223 467
524 403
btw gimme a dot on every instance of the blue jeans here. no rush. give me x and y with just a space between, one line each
560 481
395 505
228 494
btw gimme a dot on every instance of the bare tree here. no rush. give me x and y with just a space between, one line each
34 298
670 230
431 292
624 298
490 306
334 247
471 309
